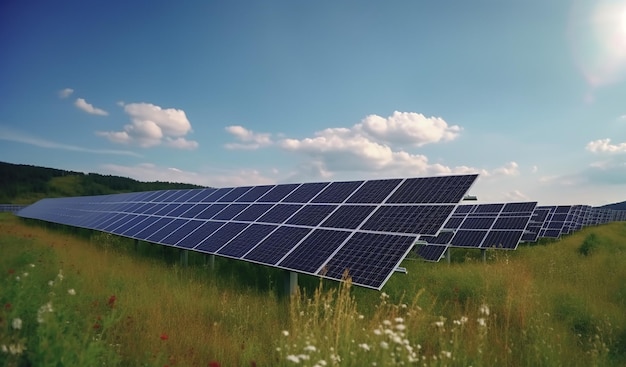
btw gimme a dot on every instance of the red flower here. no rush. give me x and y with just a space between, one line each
112 300
11 271
96 326
164 336
7 306
253 364
214 364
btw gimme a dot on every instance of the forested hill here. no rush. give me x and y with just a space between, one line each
25 184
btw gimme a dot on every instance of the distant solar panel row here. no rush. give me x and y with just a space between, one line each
324 229
483 226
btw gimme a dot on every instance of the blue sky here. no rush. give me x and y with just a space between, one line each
530 94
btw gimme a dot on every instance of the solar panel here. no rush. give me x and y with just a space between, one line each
499 225
432 253
323 229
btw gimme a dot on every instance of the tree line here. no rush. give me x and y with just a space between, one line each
25 184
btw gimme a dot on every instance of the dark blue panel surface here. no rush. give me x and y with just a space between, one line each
454 222
477 223
311 215
337 192
199 235
431 252
195 210
280 213
122 229
468 238
311 254
211 211
167 209
444 189
375 191
179 233
230 211
246 240
180 209
277 193
519 207
253 212
234 194
276 246
502 239
254 194
305 192
511 223
368 258
220 237
417 219
348 216
167 230
150 226
215 195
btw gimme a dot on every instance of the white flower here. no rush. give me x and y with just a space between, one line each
310 348
400 327
482 322
31 265
387 323
463 319
446 353
399 320
384 345
361 317
484 309
364 346
71 292
60 275
293 358
17 278
17 323
4 348
438 323
285 333
25 274
377 331
51 283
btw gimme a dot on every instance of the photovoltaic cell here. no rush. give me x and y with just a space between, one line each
417 219
337 192
305 192
246 240
220 237
255 193
278 193
368 258
253 212
234 194
374 191
211 211
199 235
279 213
431 252
179 233
348 216
311 215
276 246
311 253
230 211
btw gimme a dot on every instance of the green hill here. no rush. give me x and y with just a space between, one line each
25 184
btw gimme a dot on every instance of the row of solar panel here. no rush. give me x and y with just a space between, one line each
365 227
545 221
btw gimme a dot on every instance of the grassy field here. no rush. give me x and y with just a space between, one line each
77 298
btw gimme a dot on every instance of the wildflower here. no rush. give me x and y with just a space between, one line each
438 323
25 274
217 364
377 331
463 319
482 322
364 346
400 327
446 353
71 292
51 283
47 308
17 323
11 271
17 349
252 363
31 265
7 306
293 358
484 309
310 348
17 278
111 301
361 317
60 275
4 348
386 322
164 336
399 320
384 345
285 333
320 363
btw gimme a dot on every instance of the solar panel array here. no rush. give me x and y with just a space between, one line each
323 229
482 226
556 221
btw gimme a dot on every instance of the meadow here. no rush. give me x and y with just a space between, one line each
80 298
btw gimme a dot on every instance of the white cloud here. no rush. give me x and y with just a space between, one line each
64 93
517 195
248 138
407 128
152 125
509 169
605 146
20 137
89 108
534 169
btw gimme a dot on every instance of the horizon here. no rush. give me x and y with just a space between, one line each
527 95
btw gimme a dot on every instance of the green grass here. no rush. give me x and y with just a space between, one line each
545 305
